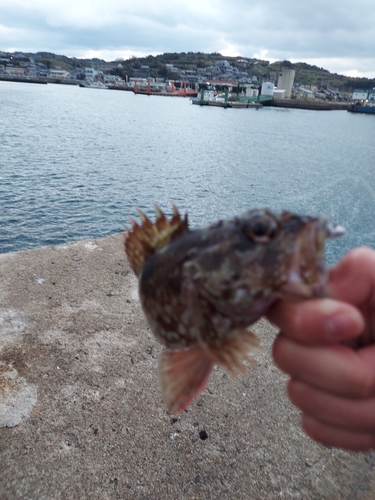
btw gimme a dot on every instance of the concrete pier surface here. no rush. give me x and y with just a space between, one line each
81 414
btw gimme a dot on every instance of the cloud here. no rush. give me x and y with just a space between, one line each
336 33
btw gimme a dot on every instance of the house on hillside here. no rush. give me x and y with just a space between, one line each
58 73
143 72
302 93
90 73
15 71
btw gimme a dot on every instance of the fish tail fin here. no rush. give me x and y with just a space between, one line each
183 376
234 350
145 239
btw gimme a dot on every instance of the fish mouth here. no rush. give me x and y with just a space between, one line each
307 275
334 231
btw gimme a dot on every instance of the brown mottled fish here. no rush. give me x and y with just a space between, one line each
201 289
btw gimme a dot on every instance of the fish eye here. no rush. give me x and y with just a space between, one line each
262 229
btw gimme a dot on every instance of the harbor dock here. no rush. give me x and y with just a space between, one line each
310 104
81 413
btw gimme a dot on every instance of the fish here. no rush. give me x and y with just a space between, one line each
201 289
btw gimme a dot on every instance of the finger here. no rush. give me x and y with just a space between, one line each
321 321
348 414
336 369
339 438
352 279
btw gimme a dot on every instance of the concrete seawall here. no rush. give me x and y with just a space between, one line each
81 415
311 104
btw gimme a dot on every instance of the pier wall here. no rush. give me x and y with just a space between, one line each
311 104
81 414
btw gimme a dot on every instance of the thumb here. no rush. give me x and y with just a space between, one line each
352 279
318 321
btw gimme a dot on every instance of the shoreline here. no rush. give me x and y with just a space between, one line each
308 104
278 103
81 414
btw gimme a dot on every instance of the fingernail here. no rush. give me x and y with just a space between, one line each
341 327
332 329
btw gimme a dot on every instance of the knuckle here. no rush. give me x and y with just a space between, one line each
365 382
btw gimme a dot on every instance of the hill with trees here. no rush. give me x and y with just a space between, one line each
159 67
306 74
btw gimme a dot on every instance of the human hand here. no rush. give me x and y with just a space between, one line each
327 347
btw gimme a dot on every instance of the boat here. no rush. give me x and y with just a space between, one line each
357 107
209 97
90 84
204 97
149 88
363 102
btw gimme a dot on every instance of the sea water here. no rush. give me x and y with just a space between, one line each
75 162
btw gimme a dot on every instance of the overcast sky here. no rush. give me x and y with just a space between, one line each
338 35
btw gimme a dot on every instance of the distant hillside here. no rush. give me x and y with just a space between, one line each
306 74
187 61
64 62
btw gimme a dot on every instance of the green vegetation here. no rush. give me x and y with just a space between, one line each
306 74
184 61
63 62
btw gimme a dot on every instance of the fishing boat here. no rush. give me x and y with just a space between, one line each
149 88
363 102
90 84
209 97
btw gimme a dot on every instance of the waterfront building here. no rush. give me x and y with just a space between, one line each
58 73
90 73
14 71
286 80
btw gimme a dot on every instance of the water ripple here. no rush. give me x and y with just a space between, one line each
74 163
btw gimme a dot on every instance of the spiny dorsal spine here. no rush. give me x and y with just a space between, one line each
145 239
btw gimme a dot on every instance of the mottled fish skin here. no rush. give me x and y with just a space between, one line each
220 274
201 289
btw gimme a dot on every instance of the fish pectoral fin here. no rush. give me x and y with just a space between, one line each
183 376
233 350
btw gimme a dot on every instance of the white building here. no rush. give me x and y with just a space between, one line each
278 93
90 73
286 80
250 91
10 70
267 89
301 92
58 73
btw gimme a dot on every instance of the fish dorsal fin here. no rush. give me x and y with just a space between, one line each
145 239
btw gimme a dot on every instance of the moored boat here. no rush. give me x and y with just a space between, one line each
209 97
359 108
90 84
363 102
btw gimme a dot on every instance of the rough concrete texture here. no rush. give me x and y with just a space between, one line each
82 415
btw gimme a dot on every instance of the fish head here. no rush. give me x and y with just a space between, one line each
290 251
